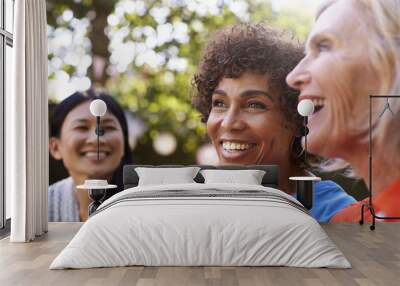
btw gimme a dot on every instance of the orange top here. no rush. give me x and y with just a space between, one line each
386 204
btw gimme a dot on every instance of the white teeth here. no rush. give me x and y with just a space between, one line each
235 146
94 154
318 102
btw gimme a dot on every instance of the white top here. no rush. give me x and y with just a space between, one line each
305 178
63 204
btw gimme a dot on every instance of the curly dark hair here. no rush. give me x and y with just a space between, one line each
255 48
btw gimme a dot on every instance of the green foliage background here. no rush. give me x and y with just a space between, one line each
162 104
161 96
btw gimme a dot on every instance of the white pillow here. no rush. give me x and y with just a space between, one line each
163 176
248 177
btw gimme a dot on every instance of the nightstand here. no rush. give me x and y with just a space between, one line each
97 190
304 189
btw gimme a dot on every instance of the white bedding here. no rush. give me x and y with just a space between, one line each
239 228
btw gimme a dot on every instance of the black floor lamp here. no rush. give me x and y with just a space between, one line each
369 205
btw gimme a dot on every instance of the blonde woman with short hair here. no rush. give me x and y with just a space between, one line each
353 51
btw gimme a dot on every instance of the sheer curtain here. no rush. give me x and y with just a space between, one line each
27 123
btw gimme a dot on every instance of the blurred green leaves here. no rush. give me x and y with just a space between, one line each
154 48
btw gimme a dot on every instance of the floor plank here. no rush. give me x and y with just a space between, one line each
374 255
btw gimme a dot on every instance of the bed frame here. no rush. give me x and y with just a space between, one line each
270 179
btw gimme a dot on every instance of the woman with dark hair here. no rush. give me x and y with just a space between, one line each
250 111
74 141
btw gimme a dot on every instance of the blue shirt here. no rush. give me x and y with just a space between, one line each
328 199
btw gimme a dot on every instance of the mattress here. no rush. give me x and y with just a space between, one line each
201 225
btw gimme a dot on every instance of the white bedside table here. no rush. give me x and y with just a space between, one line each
97 190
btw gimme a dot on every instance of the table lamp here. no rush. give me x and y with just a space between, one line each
304 185
98 108
305 108
97 188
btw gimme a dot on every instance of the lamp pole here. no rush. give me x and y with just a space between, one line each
98 108
369 205
305 108
305 138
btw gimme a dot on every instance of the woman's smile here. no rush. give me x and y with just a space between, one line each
93 157
77 146
236 146
244 123
236 149
250 112
337 75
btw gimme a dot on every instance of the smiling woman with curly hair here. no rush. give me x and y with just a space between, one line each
250 111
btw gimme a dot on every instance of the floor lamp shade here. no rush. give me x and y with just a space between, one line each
305 107
98 107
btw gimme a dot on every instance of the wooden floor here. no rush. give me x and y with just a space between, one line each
374 255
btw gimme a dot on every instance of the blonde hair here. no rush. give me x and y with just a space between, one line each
382 19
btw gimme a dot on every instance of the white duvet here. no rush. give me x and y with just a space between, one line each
183 230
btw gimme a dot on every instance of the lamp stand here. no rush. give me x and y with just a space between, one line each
305 138
97 195
99 132
369 205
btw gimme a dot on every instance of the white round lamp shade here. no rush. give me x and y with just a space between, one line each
305 107
98 107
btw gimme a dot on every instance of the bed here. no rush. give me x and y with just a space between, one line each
201 223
